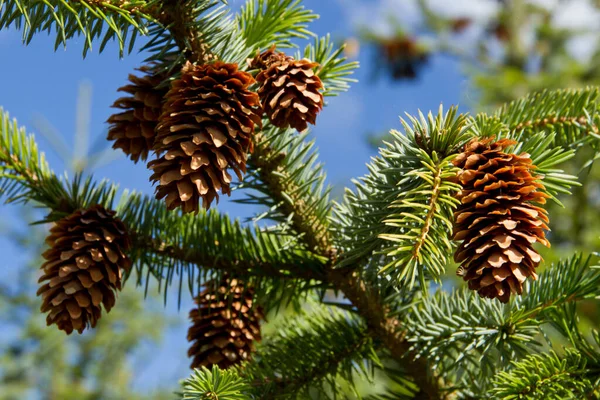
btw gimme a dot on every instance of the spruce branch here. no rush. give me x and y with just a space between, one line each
273 166
264 23
206 246
182 19
388 329
292 363
367 302
295 190
572 115
467 338
403 208
169 243
572 280
205 384
94 19
547 376
239 267
26 176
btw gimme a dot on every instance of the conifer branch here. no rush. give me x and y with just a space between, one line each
390 331
570 281
205 384
572 115
367 302
242 267
292 362
428 220
264 23
272 171
546 376
179 17
93 19
403 208
469 337
550 122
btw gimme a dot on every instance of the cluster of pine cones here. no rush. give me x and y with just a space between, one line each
84 269
201 126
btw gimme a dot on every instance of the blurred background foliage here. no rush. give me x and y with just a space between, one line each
523 46
41 363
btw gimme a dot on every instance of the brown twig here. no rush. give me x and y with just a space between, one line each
177 16
201 259
543 122
271 171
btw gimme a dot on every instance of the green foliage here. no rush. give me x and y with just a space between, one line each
21 163
545 376
333 69
94 20
25 176
571 280
264 23
205 384
200 247
467 337
399 387
395 227
403 208
572 115
285 163
313 354
291 363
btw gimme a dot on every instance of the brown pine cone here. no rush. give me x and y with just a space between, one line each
133 129
206 127
289 91
84 267
224 326
497 220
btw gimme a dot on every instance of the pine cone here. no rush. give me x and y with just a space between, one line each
289 91
133 129
206 126
83 267
224 326
404 57
497 221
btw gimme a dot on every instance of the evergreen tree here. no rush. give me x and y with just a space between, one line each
216 97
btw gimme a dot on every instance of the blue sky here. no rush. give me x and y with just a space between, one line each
40 82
